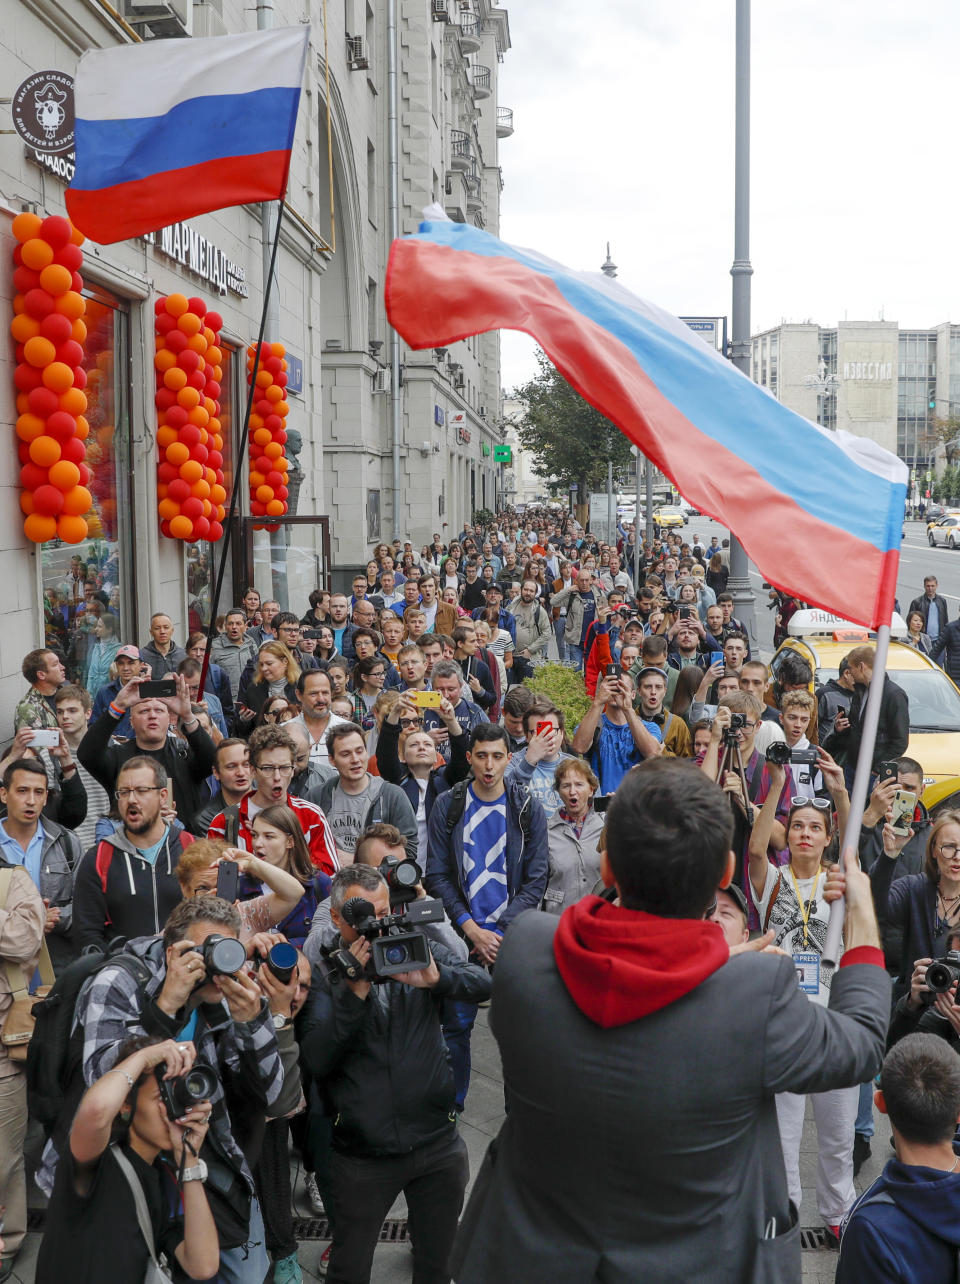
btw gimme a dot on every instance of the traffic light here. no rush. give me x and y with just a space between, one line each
931 400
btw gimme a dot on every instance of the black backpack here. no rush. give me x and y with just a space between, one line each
55 1055
458 801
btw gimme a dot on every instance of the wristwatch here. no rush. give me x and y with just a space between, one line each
197 1173
280 1021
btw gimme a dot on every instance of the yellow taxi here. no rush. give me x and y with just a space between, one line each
669 516
823 640
935 521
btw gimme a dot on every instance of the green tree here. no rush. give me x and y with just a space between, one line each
570 441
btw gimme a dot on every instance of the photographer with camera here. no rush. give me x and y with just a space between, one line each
906 1228
611 735
117 1198
375 1045
199 993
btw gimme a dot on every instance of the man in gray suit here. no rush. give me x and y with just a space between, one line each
641 1065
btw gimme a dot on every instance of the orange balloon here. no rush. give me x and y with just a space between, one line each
264 494
166 436
216 441
273 450
181 527
26 502
168 509
198 343
71 304
58 377
26 226
39 351
39 528
23 328
280 464
177 453
256 481
175 378
264 378
199 417
78 331
83 427
282 409
76 236
275 394
56 279
200 489
23 403
188 397
276 507
64 475
256 421
210 476
77 501
191 472
217 373
277 350
71 529
263 437
74 400
209 405
209 335
217 493
165 360
207 508
44 451
36 254
176 304
29 427
214 355
189 323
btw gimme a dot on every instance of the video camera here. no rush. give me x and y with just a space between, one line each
401 877
780 753
393 949
184 1091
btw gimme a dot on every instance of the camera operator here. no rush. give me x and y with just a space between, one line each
905 1227
927 1011
93 1230
379 1052
227 1020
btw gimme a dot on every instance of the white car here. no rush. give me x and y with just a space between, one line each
946 532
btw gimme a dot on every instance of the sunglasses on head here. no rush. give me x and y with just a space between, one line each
821 804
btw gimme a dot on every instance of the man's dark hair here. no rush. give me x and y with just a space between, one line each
794 671
160 777
235 610
199 909
463 631
388 834
30 765
655 644
304 674
542 706
228 743
70 691
340 732
283 617
34 663
488 731
189 668
669 830
909 765
517 700
268 737
724 597
920 1081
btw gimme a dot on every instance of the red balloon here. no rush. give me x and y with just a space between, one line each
274 365
32 475
71 354
164 323
167 474
165 529
261 465
281 437
263 408
281 492
192 508
211 389
214 460
75 450
216 532
257 509
48 500
17 255
79 375
202 527
70 257
189 360
274 480
160 306
199 453
196 380
178 490
274 423
56 231
214 320
175 339
61 426
57 329
42 401
165 399
76 283
177 416
38 304
190 436
197 305
281 380
25 279
84 474
23 452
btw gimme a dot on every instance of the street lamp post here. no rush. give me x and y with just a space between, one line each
741 271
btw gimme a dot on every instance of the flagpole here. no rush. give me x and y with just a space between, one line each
241 449
861 782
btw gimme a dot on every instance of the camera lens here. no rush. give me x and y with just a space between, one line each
395 954
282 960
405 874
199 1083
940 977
223 955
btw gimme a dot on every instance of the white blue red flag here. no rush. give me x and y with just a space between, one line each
819 512
172 128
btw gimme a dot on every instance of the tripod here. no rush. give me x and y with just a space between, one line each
732 760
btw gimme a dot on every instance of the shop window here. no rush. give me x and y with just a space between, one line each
88 590
203 558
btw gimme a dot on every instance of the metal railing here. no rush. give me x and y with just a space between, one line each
460 148
505 119
480 78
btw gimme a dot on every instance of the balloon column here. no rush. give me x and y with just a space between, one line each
49 331
190 487
268 461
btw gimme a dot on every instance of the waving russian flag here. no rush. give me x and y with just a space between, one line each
819 512
172 128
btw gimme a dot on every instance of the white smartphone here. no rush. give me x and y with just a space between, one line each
45 738
904 806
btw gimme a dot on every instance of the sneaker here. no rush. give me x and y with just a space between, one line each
324 1262
287 1271
313 1195
833 1236
861 1151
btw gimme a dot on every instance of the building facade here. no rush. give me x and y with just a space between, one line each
330 270
871 378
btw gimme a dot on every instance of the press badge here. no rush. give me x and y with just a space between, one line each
808 972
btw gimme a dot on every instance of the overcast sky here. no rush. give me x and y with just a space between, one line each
624 131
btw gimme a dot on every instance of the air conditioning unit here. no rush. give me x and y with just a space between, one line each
439 10
459 381
207 20
381 380
159 19
357 59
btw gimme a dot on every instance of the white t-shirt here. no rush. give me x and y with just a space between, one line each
786 920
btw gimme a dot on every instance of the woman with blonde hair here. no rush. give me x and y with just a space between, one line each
276 673
573 837
199 867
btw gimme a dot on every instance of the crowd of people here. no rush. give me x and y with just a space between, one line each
273 907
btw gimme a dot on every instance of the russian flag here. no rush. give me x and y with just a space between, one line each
819 512
172 128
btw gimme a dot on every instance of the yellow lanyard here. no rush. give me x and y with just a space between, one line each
805 912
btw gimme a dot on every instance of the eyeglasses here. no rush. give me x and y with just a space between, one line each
821 804
124 794
274 769
749 726
407 723
948 849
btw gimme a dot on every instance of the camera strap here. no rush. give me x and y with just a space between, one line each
155 1273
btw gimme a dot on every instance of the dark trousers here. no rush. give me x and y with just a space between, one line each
458 1020
433 1179
272 1175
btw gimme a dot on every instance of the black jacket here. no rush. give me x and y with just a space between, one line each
440 779
381 1061
893 731
921 604
910 861
472 667
117 893
949 642
188 765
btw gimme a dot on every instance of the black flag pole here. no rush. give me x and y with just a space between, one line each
241 450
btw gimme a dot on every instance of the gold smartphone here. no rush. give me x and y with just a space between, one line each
426 699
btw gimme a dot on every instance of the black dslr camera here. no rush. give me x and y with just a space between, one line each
401 877
942 973
780 753
180 1094
222 955
392 948
738 722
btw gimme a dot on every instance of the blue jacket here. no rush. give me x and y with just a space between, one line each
913 1240
527 862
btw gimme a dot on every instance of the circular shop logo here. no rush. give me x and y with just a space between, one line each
42 109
